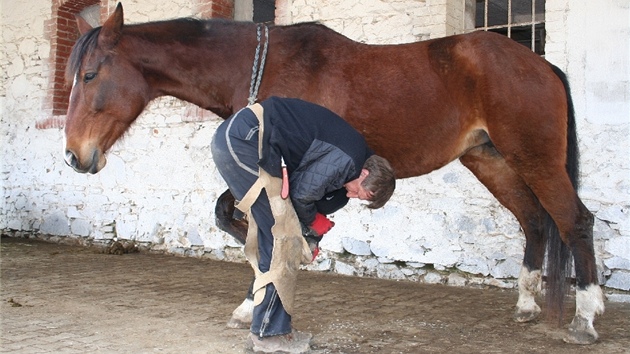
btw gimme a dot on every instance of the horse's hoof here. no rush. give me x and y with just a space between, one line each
238 324
242 316
525 316
581 331
526 312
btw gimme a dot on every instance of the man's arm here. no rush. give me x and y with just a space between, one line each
324 168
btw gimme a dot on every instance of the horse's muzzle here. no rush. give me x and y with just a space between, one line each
92 166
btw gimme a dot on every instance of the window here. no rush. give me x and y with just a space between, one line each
264 11
259 11
521 20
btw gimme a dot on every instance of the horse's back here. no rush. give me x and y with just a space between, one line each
440 92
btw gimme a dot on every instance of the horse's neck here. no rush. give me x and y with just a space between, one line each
212 78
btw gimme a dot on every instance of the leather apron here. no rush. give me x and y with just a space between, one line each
290 249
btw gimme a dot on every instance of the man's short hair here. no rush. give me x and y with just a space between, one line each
381 181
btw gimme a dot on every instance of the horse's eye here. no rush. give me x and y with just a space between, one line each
89 77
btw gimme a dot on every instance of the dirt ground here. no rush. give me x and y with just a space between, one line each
68 299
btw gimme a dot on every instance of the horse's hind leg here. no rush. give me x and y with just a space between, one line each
510 190
575 225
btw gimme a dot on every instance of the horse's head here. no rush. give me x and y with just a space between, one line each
108 93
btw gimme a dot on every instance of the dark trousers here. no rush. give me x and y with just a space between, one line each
235 153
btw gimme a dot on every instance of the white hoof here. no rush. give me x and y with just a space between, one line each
589 302
581 331
529 284
242 316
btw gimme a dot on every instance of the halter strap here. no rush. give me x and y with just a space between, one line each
259 64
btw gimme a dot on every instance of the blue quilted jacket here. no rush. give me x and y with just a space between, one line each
321 151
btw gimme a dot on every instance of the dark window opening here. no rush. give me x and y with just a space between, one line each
521 20
264 11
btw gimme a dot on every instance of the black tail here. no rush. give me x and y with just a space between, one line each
558 254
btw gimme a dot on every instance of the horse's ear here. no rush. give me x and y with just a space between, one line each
112 28
83 25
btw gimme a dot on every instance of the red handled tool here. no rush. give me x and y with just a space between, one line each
284 193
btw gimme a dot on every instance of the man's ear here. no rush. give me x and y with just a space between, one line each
364 172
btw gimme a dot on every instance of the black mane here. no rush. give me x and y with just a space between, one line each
185 30
85 45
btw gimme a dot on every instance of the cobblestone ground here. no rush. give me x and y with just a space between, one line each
67 299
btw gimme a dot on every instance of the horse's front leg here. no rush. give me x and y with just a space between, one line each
243 314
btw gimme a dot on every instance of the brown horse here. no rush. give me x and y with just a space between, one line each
500 109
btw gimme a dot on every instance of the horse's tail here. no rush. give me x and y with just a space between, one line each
558 253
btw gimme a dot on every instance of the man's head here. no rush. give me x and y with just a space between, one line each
376 183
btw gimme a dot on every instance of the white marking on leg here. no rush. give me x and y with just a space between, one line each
529 286
589 302
242 316
245 309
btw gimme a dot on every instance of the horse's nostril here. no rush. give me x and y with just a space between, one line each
71 159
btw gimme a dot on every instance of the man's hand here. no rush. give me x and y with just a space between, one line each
313 234
321 224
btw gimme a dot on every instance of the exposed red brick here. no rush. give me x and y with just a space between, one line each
62 31
49 123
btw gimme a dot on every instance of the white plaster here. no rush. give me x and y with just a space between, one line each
160 184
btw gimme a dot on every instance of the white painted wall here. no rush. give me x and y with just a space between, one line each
160 185
591 42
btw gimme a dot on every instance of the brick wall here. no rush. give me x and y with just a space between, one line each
216 8
63 33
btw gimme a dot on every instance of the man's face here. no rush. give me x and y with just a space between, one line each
356 190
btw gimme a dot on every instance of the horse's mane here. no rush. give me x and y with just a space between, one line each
84 46
185 30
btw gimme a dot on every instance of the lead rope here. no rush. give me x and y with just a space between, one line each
257 71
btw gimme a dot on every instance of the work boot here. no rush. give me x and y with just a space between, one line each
292 343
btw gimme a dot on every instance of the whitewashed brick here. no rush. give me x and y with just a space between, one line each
344 268
619 280
356 247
